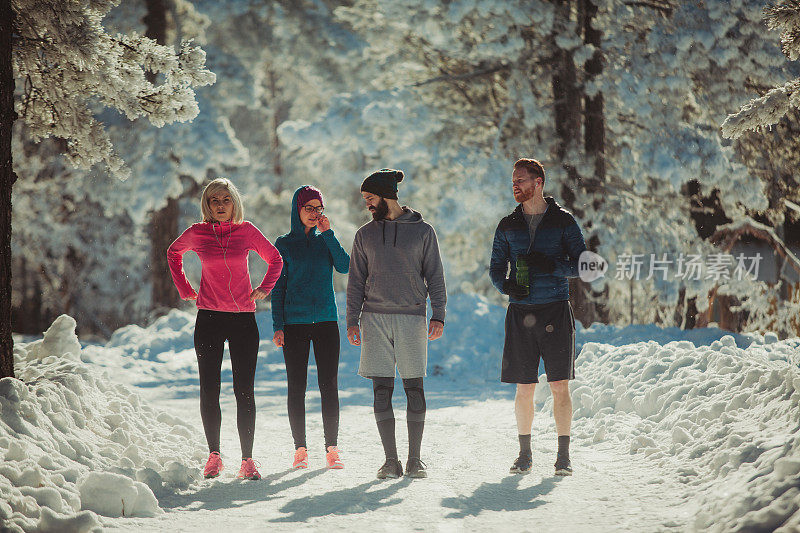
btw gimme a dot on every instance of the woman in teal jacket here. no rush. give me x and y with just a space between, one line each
304 311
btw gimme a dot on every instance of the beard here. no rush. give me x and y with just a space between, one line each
523 196
380 212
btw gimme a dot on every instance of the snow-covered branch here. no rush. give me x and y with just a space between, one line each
770 108
763 111
786 18
69 62
663 6
463 77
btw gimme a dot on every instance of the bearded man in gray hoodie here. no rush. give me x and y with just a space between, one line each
394 266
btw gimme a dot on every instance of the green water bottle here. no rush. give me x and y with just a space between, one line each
522 273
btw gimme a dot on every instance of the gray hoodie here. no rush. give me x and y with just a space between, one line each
394 266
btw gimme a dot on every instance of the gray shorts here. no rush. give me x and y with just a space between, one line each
393 340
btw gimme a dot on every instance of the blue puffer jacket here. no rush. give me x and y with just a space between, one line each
557 236
304 292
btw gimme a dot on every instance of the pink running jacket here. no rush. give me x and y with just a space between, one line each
223 249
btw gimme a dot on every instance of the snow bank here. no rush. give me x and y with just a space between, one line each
75 445
472 347
115 495
720 411
171 332
723 418
162 351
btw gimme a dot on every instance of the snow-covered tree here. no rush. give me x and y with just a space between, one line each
767 130
67 61
454 92
169 164
235 135
768 109
68 66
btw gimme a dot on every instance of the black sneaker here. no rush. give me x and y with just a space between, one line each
415 468
392 469
563 465
522 465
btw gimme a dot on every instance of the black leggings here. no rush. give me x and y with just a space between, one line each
211 330
296 347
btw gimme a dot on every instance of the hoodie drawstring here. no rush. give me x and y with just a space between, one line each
383 233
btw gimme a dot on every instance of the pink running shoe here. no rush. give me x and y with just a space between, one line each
332 458
213 465
300 458
249 470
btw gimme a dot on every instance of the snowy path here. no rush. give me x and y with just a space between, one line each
673 431
468 448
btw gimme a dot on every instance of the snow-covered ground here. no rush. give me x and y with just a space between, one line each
674 430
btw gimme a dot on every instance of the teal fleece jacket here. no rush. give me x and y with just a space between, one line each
304 291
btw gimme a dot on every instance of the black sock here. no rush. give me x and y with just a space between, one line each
414 438
415 414
384 415
386 431
563 445
525 445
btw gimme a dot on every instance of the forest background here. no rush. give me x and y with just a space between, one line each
125 109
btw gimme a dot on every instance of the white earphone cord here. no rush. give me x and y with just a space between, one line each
225 260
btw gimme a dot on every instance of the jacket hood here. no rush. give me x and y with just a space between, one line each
409 216
297 227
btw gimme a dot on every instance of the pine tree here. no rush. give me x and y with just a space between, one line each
767 132
455 91
67 63
768 109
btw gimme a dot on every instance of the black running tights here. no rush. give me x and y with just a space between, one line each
211 330
296 347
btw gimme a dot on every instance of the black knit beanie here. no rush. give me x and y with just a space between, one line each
383 183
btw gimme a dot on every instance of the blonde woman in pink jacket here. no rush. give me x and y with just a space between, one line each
225 311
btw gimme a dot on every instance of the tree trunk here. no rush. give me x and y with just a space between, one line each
7 179
27 315
690 320
164 222
163 230
678 316
567 116
594 130
594 143
156 20
276 119
566 95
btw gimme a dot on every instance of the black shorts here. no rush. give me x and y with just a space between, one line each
544 331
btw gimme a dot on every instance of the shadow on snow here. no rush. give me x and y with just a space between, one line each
353 500
217 494
504 496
